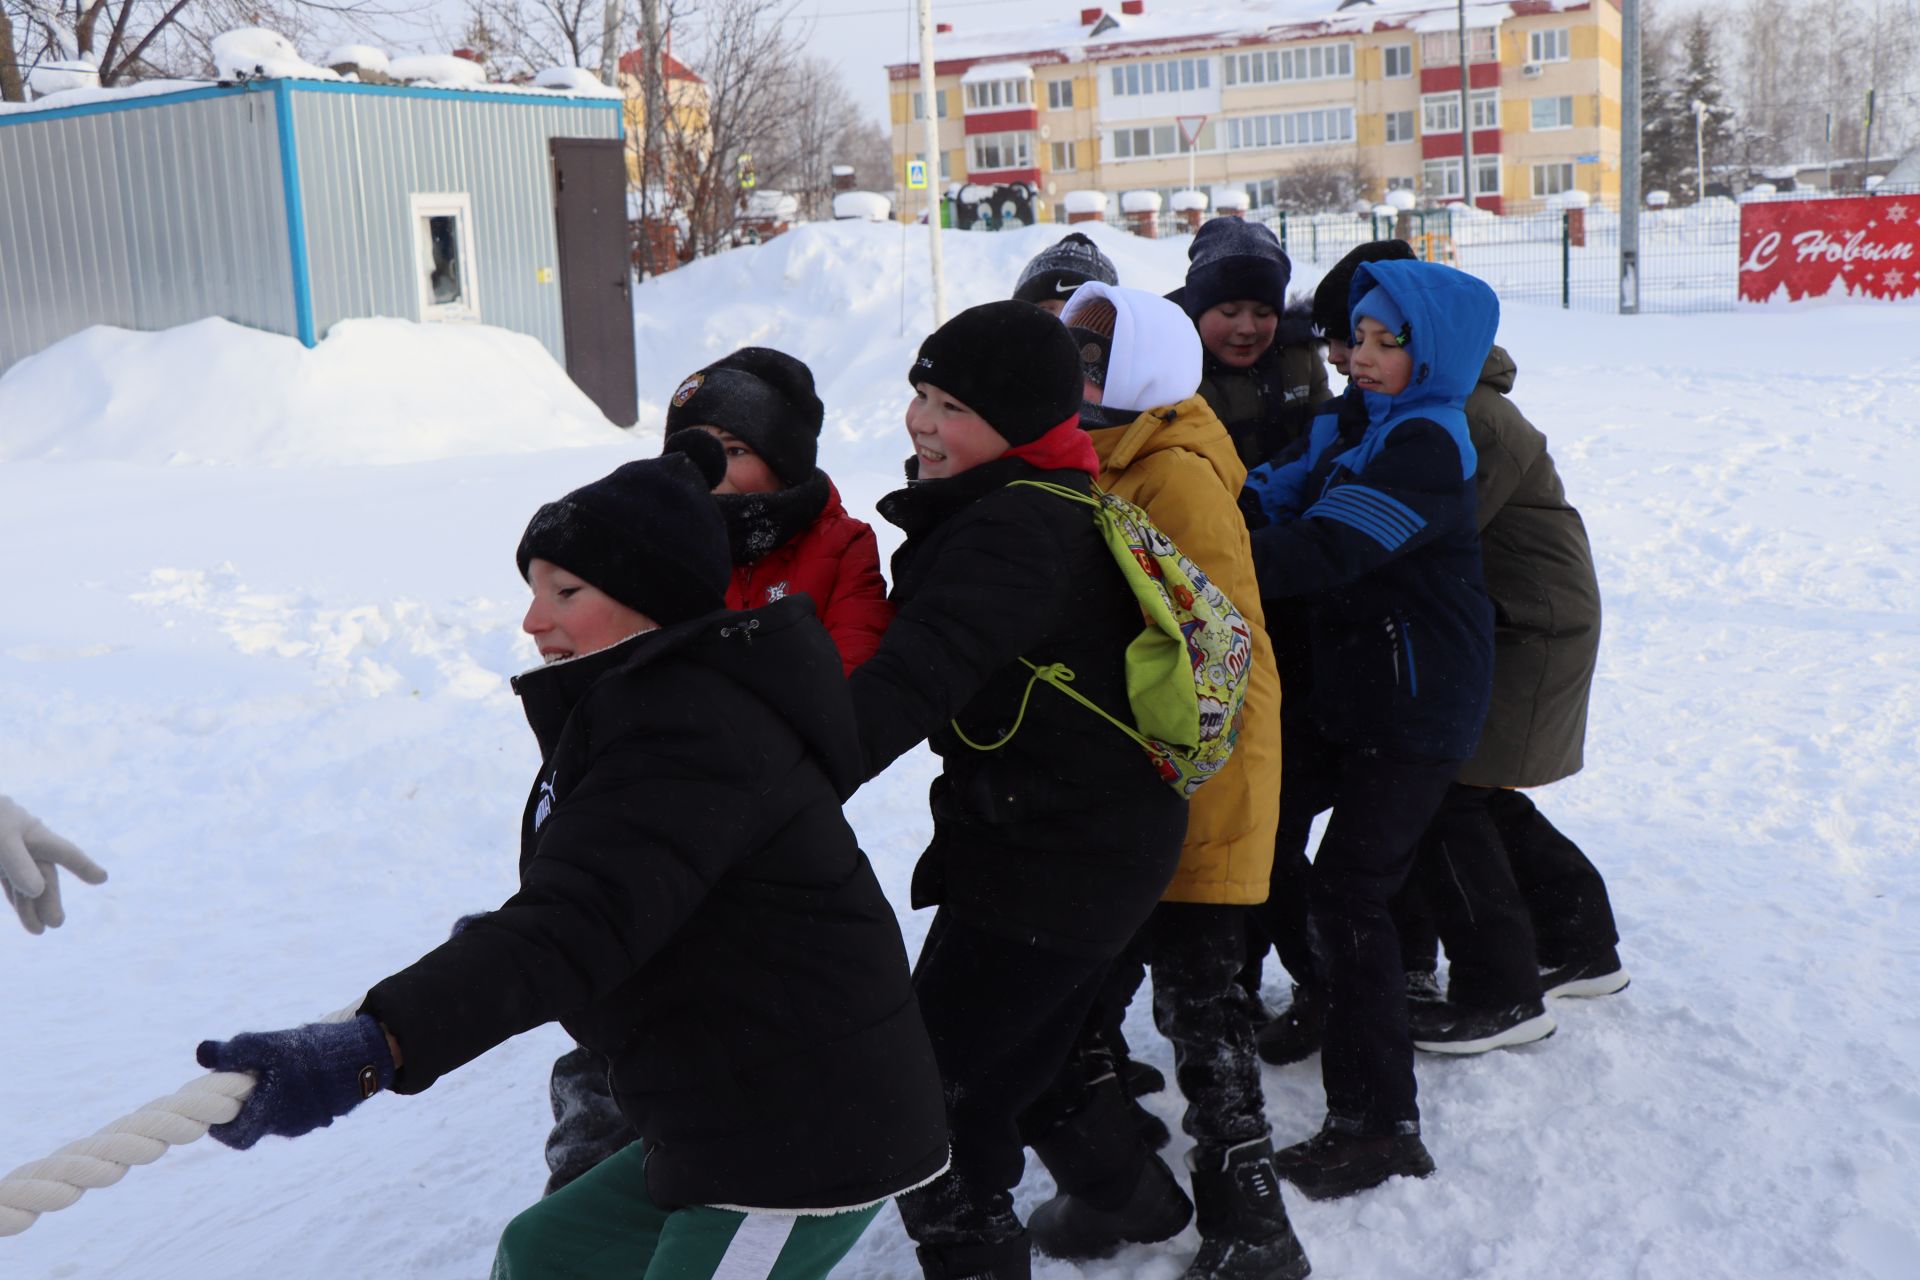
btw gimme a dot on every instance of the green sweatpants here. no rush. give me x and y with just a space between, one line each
602 1226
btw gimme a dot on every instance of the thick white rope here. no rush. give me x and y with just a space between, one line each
41 1186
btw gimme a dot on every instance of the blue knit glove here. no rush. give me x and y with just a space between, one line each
306 1076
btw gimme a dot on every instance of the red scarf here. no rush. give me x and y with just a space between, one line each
1063 448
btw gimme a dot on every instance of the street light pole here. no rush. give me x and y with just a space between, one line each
931 154
1699 150
1466 115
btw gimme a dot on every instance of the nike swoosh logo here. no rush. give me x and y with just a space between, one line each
1061 286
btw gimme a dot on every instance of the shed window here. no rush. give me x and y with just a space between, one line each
443 257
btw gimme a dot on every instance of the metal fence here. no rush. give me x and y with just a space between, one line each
1689 254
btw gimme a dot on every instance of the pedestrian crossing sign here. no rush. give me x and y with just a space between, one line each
916 175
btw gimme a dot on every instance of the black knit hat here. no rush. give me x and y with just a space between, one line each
763 396
1056 271
649 534
1010 362
1330 301
1230 260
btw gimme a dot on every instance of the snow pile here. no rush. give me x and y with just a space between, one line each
364 56
1183 201
776 206
257 53
575 80
1085 201
59 77
1225 198
215 393
868 205
1140 202
443 70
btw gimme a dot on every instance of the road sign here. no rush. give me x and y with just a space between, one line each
916 175
748 181
1190 127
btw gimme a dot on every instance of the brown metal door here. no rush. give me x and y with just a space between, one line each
596 303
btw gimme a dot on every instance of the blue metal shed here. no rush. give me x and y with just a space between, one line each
289 205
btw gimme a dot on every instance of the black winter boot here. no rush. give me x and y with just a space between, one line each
1113 1191
1244 1232
1294 1033
1335 1163
1002 1260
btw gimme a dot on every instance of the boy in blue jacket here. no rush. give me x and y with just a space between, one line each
1373 529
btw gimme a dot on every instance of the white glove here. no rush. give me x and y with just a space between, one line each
30 859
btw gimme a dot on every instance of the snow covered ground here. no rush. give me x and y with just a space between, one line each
261 608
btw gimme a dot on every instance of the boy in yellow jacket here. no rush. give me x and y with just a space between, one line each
1162 448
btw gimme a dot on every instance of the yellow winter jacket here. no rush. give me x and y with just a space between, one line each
1178 463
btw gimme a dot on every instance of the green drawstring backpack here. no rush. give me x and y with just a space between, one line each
1187 670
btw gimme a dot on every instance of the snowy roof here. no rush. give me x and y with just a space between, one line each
365 56
1209 24
997 71
156 92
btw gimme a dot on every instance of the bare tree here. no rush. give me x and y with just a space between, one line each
136 39
1325 182
821 127
532 35
746 58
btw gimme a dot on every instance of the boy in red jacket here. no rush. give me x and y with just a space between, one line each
789 532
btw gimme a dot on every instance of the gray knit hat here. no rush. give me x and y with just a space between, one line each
1059 269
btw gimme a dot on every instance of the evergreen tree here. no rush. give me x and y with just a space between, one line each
1666 125
1700 82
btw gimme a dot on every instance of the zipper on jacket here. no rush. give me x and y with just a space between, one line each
1413 672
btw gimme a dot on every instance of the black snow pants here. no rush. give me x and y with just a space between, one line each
1382 803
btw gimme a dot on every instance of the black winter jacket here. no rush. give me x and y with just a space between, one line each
1064 836
1268 406
694 908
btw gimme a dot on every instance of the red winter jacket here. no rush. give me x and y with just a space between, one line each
836 561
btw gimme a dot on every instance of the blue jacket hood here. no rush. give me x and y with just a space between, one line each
1454 317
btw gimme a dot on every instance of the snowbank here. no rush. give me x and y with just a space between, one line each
870 205
214 393
442 69
63 76
257 53
575 80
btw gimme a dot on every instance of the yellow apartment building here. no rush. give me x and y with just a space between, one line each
1108 102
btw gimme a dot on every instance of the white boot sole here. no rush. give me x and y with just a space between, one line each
1604 985
1538 1027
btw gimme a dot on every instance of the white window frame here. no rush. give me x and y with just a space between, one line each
1164 75
440 204
1067 152
1562 113
1561 170
1016 143
1315 127
1555 44
920 104
1450 167
1009 94
1405 59
1059 95
1440 112
1442 48
1410 133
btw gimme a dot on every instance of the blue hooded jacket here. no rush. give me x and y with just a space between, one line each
1374 527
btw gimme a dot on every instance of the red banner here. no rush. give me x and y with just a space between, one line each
1848 247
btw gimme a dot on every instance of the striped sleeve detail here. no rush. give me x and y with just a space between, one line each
1386 520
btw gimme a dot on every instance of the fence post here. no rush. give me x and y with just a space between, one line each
1283 230
1566 259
